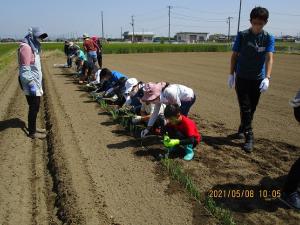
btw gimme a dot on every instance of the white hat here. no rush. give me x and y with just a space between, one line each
85 35
130 83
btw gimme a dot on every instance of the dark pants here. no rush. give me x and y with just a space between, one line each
186 106
34 105
248 94
297 113
293 178
99 57
69 61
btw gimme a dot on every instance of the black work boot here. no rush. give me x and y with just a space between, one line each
240 133
249 141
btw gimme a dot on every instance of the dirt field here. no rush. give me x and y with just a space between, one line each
90 172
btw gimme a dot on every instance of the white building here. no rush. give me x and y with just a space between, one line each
191 37
139 36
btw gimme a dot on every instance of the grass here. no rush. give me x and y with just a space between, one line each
176 171
125 48
8 52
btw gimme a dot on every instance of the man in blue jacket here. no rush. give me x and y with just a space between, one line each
250 71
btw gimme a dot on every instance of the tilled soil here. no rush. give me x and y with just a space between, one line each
26 195
220 164
90 172
83 173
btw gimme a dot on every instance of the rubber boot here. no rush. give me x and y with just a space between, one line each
249 142
240 133
292 200
189 152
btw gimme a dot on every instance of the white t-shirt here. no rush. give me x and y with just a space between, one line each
176 93
173 94
149 108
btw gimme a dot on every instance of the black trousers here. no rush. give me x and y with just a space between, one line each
293 178
69 61
248 94
34 106
99 58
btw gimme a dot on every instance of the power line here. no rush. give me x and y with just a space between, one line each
102 25
228 21
132 24
239 20
170 7
199 20
284 14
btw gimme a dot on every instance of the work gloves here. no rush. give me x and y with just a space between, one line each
231 81
264 85
136 119
32 88
170 143
144 132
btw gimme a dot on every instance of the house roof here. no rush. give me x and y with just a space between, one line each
139 33
192 33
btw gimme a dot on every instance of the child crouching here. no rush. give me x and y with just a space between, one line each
180 130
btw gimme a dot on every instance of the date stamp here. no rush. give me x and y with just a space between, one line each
244 193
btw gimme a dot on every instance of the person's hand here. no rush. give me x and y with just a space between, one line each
109 91
264 85
231 81
136 119
171 143
166 138
32 88
144 132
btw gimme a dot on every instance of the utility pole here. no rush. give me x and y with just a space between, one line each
239 21
102 24
170 7
228 21
121 33
132 24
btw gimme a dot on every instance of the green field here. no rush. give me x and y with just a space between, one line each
7 53
125 48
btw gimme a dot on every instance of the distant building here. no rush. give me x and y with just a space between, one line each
286 38
8 40
139 36
191 37
221 38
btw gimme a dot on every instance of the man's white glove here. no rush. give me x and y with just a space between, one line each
144 132
231 81
264 85
109 91
136 119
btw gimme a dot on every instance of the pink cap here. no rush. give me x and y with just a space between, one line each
152 90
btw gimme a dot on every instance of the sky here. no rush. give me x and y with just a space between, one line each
68 18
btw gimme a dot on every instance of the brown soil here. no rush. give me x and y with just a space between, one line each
220 163
90 172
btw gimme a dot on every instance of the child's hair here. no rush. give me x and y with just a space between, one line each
259 13
172 110
105 73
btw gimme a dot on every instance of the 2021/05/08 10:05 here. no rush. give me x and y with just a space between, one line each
244 193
